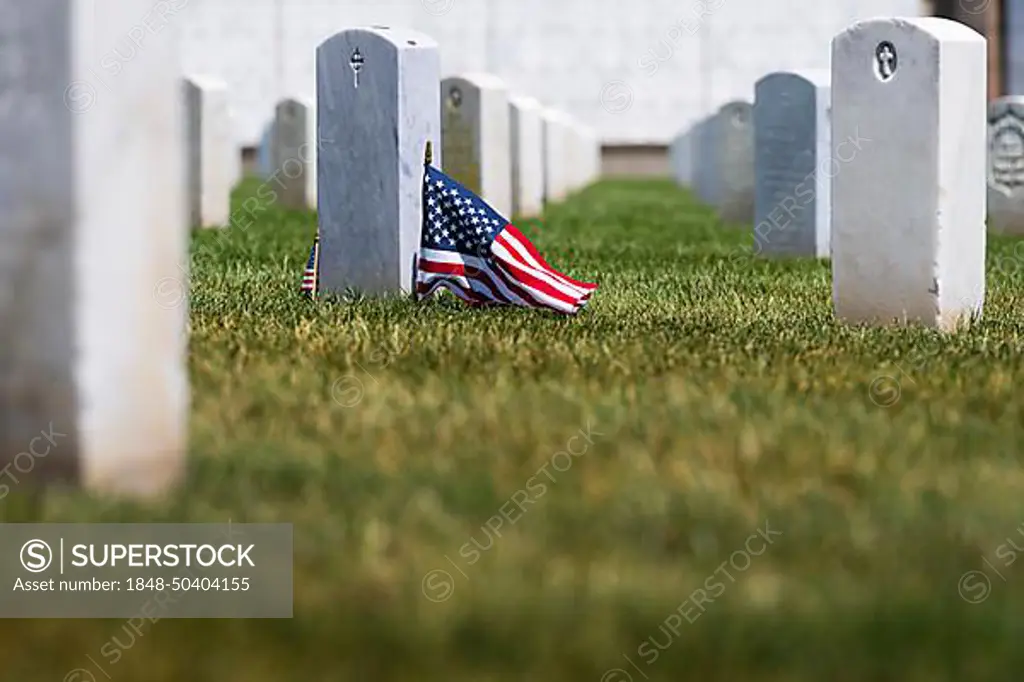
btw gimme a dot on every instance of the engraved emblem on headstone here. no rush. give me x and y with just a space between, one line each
455 98
356 62
885 60
1006 151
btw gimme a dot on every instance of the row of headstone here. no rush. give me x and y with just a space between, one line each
879 164
286 155
715 158
380 101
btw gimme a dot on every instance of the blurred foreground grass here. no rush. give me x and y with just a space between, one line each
761 494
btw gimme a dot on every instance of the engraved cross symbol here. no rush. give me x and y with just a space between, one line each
886 57
356 62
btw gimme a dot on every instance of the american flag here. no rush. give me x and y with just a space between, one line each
309 276
467 248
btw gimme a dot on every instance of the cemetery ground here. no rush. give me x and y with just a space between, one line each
702 476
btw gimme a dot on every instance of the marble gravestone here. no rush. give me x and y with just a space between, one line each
293 154
908 214
793 164
378 104
475 137
556 151
211 162
584 160
574 153
1006 165
93 235
726 162
527 156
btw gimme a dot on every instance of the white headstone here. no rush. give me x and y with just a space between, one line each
475 135
725 162
378 104
1006 165
211 161
93 231
527 156
556 155
584 157
908 215
574 156
293 154
793 164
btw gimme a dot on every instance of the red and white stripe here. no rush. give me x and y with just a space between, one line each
516 275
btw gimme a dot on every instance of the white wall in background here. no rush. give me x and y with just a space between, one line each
637 71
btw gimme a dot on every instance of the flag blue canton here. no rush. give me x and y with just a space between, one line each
455 219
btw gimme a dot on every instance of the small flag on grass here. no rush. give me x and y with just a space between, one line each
470 250
309 276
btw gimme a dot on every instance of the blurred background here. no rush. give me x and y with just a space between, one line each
639 72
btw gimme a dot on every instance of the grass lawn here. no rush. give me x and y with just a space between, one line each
756 493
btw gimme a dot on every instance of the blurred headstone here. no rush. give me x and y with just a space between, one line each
293 154
264 153
211 159
527 156
556 155
1006 165
793 164
908 215
475 135
378 104
93 236
725 162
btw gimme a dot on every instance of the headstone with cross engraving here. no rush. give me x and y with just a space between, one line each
378 104
293 154
1006 165
475 134
526 143
211 160
792 151
93 231
725 162
908 213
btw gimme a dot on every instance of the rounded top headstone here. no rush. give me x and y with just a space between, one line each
396 37
936 28
814 77
737 112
